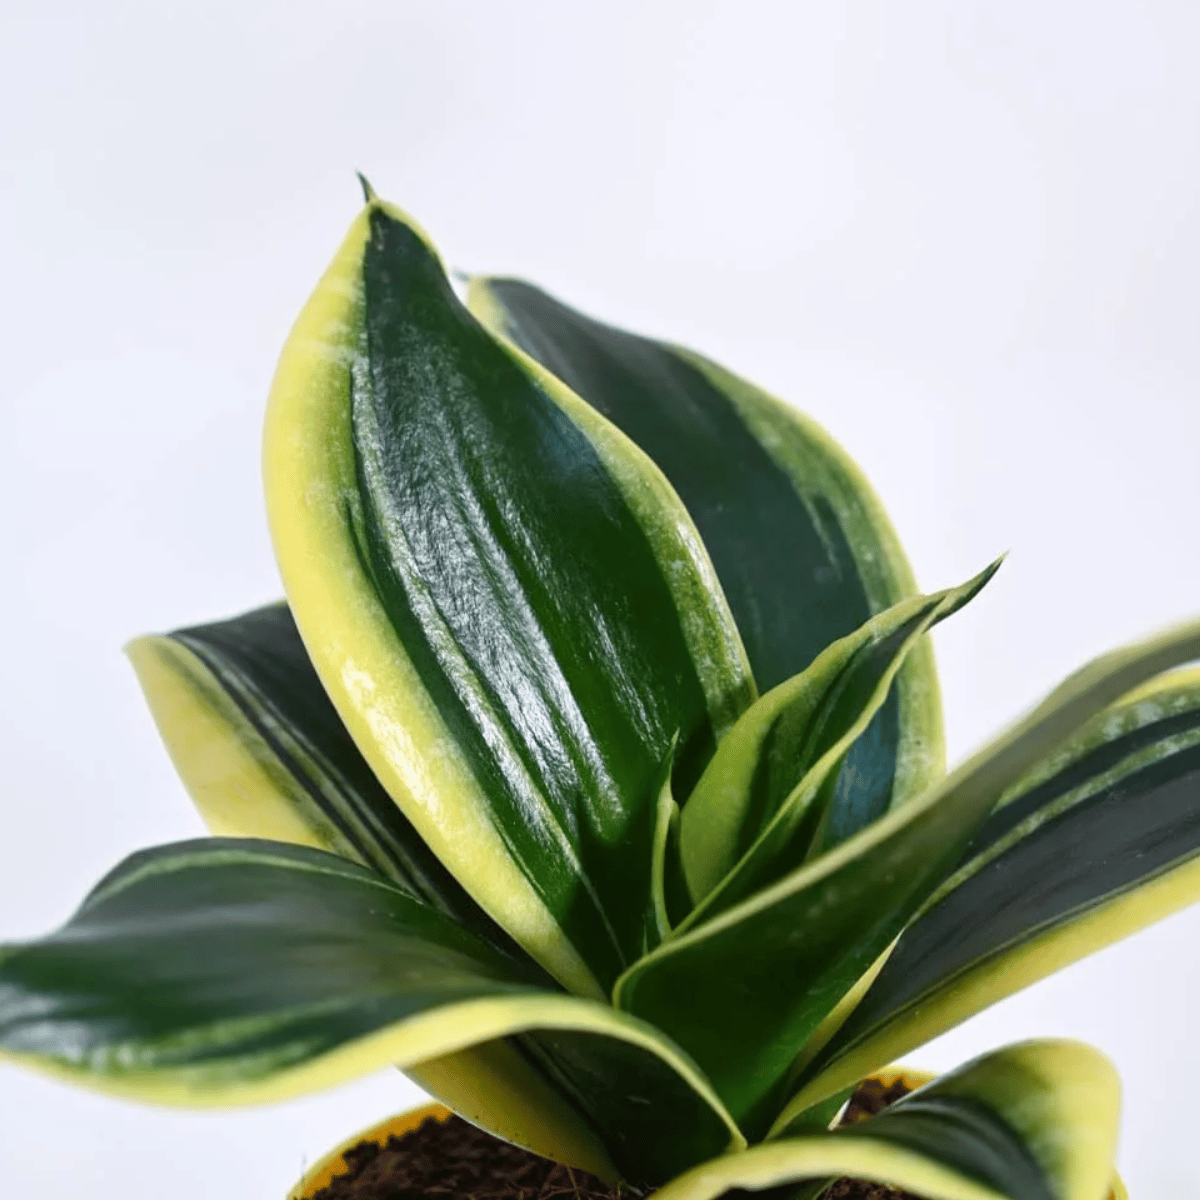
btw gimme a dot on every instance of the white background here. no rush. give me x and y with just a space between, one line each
964 235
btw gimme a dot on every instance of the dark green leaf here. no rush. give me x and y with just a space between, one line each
264 753
766 802
231 971
764 975
800 543
503 597
1101 839
1036 1121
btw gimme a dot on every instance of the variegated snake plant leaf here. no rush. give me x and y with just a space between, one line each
592 773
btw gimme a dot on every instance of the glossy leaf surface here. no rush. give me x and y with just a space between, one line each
1101 839
764 975
765 802
228 971
803 549
1036 1121
502 595
264 754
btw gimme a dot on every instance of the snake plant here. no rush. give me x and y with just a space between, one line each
592 773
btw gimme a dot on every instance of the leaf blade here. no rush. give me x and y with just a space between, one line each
264 754
814 934
1097 843
1036 1121
760 793
512 613
236 971
799 540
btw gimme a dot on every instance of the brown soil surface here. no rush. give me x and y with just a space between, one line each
871 1097
452 1160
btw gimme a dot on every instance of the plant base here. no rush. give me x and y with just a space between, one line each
453 1160
446 1158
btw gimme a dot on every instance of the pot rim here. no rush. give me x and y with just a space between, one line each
334 1163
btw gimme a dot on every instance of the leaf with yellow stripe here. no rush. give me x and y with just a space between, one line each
766 803
264 754
503 597
802 546
231 971
764 976
1101 839
1034 1121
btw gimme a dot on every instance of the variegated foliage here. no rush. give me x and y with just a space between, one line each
592 773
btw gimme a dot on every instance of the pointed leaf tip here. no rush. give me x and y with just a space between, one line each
554 771
984 577
368 191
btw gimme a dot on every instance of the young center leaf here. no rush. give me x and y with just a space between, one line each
502 595
764 975
765 802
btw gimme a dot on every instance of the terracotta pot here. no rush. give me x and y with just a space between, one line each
334 1163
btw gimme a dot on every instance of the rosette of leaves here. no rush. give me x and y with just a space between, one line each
591 773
